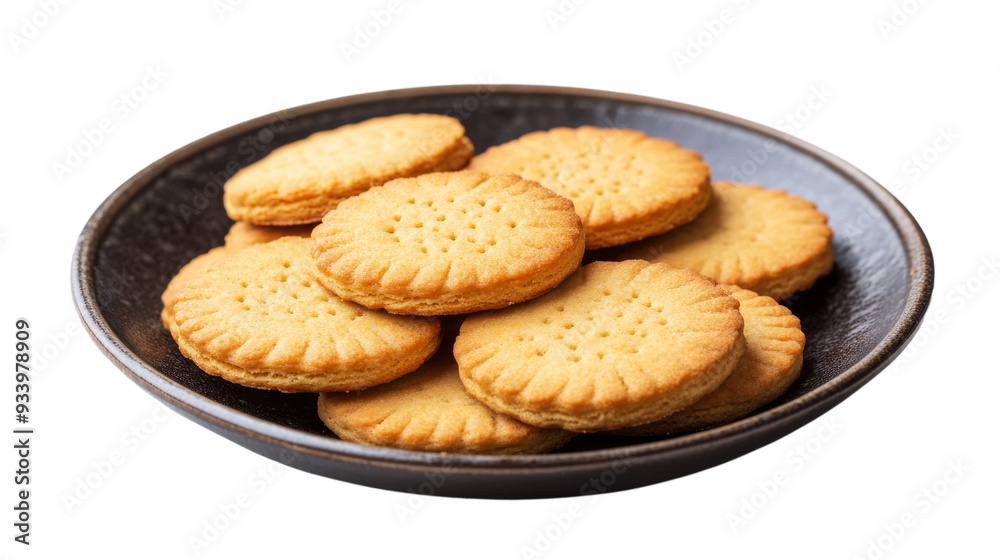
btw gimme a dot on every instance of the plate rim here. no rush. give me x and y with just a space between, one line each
206 410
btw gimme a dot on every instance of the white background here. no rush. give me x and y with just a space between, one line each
890 92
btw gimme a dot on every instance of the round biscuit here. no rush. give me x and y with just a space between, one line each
300 182
764 240
615 345
448 243
261 318
625 185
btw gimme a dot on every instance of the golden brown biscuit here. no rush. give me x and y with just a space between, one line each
448 243
772 361
300 182
615 345
760 239
189 272
625 185
241 235
261 318
244 234
429 410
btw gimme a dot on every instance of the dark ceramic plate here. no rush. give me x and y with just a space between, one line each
857 320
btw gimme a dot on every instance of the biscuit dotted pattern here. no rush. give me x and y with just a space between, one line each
760 239
448 233
608 337
263 309
614 177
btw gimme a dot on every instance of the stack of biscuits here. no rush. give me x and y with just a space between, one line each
437 301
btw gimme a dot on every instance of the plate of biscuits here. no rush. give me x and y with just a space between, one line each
501 291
